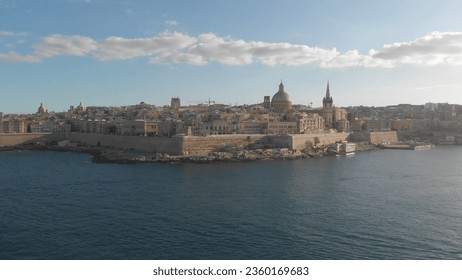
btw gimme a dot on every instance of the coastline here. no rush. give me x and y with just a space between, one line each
131 156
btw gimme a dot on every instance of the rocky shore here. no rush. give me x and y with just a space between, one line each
129 156
122 156
235 155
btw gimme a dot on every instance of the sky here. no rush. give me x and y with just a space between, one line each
114 53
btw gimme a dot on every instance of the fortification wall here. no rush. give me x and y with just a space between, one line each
375 137
149 144
304 141
13 139
196 145
380 137
206 144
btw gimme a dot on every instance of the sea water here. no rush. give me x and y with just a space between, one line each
385 204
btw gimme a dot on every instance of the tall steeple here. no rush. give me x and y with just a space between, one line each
327 101
327 90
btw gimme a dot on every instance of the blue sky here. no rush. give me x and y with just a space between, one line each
113 53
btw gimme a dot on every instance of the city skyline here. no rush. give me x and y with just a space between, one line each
115 53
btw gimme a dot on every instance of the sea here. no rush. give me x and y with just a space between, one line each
383 204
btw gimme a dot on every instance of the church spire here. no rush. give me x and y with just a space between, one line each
281 86
327 101
327 91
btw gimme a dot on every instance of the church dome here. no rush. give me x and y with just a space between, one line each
42 109
281 95
281 100
81 108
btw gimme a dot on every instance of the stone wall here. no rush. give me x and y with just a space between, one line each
13 139
380 137
196 145
143 143
304 141
374 137
206 144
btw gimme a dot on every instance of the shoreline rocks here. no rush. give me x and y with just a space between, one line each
240 155
125 156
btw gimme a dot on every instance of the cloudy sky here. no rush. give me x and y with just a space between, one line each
110 52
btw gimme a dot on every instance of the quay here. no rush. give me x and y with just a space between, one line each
417 147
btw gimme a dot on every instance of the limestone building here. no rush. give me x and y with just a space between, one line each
175 103
281 101
266 102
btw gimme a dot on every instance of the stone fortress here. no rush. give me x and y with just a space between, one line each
187 130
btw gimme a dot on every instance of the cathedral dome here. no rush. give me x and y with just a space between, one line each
81 108
281 95
281 100
42 109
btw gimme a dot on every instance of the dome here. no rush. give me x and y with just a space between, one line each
42 109
281 95
281 100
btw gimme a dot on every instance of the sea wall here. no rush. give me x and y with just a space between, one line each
143 143
380 137
304 141
205 144
13 139
374 137
197 145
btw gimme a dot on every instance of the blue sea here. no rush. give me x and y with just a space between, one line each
385 204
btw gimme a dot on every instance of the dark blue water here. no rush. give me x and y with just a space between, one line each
375 205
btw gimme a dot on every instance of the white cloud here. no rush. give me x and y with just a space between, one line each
211 47
433 49
120 48
15 57
437 48
273 54
178 58
6 33
57 45
11 34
